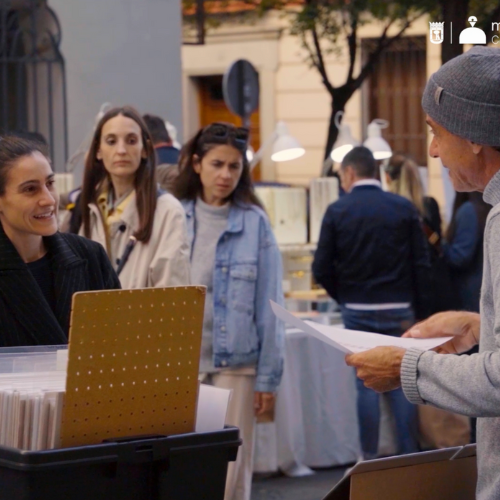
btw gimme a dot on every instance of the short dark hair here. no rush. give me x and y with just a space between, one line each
13 148
157 129
361 160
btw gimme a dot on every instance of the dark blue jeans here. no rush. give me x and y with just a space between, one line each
389 322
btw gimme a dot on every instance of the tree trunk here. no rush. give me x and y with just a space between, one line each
455 16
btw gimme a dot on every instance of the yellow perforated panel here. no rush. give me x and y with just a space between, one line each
133 364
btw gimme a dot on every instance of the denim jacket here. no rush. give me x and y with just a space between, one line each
247 274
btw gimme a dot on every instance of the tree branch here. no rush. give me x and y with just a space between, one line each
321 63
352 44
383 43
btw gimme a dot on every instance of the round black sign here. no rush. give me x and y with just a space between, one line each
240 86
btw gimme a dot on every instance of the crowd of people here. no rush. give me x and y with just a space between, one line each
149 215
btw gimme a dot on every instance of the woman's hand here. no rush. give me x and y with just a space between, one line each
462 326
263 402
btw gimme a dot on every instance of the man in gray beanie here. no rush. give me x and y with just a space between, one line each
462 102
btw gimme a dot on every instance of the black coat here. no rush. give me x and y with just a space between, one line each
372 250
26 318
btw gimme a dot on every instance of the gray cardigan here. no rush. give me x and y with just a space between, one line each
470 385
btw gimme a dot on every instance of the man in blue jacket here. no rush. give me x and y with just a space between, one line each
372 259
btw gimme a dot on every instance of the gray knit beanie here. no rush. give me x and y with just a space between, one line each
463 96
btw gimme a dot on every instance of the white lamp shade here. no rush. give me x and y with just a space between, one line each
344 143
250 153
376 143
285 147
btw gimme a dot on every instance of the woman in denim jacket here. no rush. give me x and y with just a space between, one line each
235 255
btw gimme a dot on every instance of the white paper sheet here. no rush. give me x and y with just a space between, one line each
350 341
212 408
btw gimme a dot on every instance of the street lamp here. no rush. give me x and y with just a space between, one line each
345 141
374 142
285 146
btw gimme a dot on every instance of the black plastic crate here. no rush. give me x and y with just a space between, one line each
183 467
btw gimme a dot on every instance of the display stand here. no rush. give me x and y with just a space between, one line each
447 474
133 364
132 371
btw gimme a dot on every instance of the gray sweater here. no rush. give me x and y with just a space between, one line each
470 385
211 222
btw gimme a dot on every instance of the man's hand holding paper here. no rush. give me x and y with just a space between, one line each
377 358
462 326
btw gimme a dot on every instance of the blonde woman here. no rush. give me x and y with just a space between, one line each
403 178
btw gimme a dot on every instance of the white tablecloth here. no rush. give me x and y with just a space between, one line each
316 422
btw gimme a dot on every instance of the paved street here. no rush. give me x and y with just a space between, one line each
303 488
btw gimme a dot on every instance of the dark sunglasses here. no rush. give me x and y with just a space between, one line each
224 131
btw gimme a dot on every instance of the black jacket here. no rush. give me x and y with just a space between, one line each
372 250
26 318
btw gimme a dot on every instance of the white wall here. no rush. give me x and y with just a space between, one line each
123 52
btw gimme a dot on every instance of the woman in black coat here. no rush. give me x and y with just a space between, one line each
40 268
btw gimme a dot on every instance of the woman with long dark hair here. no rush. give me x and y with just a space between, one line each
40 268
235 255
142 228
463 250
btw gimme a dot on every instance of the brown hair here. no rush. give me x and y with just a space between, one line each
188 185
12 148
406 180
144 183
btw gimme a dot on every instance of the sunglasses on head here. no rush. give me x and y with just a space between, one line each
224 131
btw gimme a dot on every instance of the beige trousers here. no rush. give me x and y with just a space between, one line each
241 415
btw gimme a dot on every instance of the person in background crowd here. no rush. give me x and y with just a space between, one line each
142 228
403 178
463 250
462 102
167 155
40 268
235 255
372 259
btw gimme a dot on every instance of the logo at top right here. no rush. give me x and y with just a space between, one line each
472 35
